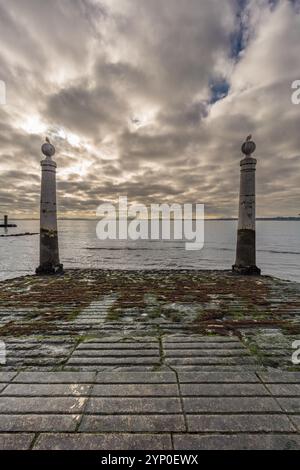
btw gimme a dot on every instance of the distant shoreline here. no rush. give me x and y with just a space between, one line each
278 219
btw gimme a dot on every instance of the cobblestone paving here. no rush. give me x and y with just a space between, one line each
149 360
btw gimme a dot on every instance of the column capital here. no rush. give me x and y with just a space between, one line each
248 160
48 162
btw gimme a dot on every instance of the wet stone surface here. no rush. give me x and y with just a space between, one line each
97 319
158 410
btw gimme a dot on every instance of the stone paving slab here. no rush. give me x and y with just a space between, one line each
237 442
296 421
48 390
240 423
135 390
39 423
117 441
113 361
133 405
114 355
223 390
31 405
281 390
54 377
203 346
180 369
7 376
205 339
280 377
136 377
16 441
290 405
204 353
225 361
217 377
231 405
133 423
218 368
100 346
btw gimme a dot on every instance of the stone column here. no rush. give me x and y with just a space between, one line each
49 254
246 238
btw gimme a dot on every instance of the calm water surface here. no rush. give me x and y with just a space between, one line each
278 249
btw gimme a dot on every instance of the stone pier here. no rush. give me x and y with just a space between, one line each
246 237
49 253
158 360
6 224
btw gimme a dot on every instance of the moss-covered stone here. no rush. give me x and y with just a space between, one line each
85 303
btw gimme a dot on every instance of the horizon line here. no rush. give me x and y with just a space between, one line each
194 218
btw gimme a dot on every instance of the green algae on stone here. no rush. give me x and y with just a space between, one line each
150 302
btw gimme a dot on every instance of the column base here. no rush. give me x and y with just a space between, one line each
246 270
48 269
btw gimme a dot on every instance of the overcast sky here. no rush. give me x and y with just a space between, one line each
151 99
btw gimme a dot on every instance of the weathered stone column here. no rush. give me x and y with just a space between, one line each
246 237
49 254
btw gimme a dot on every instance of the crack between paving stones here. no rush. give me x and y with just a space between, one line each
64 363
10 382
35 438
178 385
180 397
161 350
172 440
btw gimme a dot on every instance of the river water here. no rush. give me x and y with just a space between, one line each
278 249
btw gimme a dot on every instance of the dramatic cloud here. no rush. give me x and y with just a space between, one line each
149 99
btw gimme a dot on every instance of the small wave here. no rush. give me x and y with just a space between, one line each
128 248
280 252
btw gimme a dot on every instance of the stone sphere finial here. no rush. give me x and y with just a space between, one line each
48 149
249 146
